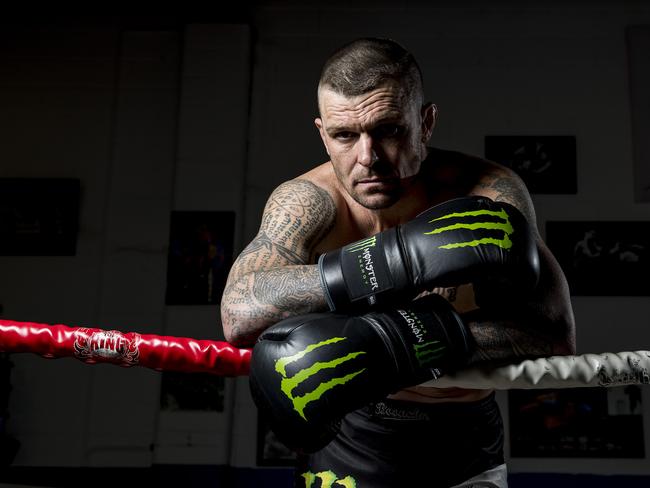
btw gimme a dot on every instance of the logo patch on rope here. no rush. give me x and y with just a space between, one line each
503 224
93 345
290 383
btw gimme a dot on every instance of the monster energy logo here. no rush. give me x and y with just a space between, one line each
289 383
328 480
428 351
366 265
424 351
363 244
504 225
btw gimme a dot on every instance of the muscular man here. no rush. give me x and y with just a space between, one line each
375 126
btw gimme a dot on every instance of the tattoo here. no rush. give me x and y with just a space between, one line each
508 188
504 340
274 277
297 216
507 191
289 290
263 243
244 336
259 299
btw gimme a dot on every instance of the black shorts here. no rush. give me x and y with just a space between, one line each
405 444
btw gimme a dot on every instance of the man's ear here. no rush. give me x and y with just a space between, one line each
321 130
429 114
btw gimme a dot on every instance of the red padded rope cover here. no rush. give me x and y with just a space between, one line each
91 345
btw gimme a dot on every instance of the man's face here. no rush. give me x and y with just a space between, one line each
376 141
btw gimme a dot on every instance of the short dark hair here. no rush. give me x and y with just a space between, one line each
365 64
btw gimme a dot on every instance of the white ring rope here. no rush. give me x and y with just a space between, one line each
587 370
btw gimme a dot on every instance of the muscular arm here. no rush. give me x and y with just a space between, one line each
544 324
274 278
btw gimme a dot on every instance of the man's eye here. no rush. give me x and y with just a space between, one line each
388 130
344 136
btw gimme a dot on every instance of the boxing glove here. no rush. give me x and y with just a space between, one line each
308 371
465 240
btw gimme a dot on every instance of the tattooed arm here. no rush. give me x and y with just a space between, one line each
274 277
544 324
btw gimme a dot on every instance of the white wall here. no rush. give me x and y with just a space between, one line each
152 121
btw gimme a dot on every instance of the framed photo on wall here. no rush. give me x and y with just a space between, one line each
39 216
577 422
200 257
547 164
608 258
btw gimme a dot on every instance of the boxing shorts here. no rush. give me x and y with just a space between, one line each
398 444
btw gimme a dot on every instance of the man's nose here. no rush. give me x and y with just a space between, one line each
367 155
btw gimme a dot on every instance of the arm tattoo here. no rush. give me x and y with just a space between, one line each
274 277
543 325
298 215
518 331
263 243
503 340
289 290
507 191
503 187
257 300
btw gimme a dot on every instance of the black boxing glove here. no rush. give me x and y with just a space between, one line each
308 371
465 240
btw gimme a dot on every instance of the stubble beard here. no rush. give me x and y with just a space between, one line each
377 200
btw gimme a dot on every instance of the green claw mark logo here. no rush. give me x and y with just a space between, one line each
504 226
363 244
365 258
427 352
288 384
328 480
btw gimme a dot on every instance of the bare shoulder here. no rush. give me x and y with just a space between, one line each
489 179
297 215
324 178
502 184
307 199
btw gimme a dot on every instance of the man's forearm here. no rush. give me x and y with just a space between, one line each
259 299
502 340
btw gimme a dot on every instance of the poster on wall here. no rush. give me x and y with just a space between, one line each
602 258
39 216
200 257
547 164
577 422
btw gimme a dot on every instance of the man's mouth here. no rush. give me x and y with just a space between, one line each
371 181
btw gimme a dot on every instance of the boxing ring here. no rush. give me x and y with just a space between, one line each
182 354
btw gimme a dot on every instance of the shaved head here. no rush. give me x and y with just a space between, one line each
366 64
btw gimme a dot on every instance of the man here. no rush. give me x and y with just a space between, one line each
375 126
